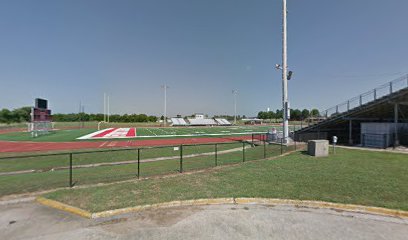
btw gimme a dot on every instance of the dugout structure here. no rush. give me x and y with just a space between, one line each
41 120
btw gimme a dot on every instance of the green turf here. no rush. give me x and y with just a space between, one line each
28 182
143 133
351 176
54 136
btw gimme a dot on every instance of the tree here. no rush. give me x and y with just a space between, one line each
305 113
5 116
314 113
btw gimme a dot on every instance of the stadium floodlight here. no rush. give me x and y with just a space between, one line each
235 92
285 76
165 87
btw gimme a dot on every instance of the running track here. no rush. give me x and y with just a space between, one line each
6 146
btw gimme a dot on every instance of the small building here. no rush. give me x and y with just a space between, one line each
252 121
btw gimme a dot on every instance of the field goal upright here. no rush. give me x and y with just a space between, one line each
41 120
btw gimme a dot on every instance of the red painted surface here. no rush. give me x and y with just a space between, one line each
104 133
6 146
131 132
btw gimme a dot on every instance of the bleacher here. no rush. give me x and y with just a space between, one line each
223 122
178 122
202 122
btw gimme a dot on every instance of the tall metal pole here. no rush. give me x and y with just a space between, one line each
235 92
285 75
104 107
108 108
165 87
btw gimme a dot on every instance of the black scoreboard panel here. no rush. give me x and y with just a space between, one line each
41 103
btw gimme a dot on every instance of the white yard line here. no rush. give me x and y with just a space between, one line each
148 129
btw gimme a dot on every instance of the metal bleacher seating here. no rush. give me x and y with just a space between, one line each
178 122
202 122
222 122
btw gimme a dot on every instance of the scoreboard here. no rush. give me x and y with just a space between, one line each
40 112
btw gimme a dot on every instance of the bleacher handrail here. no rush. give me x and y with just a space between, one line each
374 93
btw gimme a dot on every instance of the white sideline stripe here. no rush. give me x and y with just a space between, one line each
88 136
195 135
167 136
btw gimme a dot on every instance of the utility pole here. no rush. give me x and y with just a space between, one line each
104 107
235 92
165 87
108 108
285 101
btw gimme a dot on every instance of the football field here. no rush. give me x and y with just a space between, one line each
169 132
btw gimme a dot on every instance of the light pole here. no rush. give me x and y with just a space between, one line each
104 107
165 87
235 92
284 68
108 108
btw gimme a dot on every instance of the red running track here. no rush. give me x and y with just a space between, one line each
6 146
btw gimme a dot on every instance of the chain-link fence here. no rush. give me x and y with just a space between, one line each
28 173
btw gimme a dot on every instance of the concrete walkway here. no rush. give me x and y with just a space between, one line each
30 220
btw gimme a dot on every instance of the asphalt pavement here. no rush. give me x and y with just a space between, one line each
30 220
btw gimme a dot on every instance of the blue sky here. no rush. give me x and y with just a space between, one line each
74 50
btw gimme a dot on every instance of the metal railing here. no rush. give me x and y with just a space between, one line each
367 97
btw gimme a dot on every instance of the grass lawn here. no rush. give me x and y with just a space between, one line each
45 180
351 176
82 157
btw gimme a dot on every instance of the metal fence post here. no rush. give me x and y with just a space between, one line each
243 151
216 155
264 148
390 87
138 163
385 141
375 94
281 145
294 137
361 100
181 158
70 170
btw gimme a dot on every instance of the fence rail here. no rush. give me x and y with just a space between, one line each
364 98
27 173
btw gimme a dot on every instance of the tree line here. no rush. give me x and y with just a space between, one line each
15 116
23 115
295 114
19 115
85 117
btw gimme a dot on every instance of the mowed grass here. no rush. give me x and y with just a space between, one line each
49 179
56 160
350 176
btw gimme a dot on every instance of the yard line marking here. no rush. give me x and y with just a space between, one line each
148 129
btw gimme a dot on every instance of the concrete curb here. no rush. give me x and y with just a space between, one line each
217 201
64 207
326 205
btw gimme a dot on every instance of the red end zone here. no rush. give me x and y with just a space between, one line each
111 133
